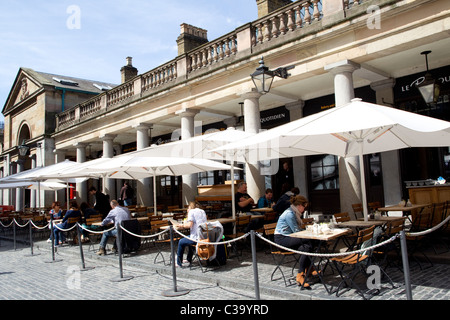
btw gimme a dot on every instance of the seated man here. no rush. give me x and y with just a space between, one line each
116 216
266 201
244 203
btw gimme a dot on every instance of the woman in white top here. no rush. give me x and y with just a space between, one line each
196 216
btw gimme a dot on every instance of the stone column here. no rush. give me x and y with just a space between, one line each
19 191
349 170
390 160
252 124
109 185
81 194
7 170
33 192
144 194
299 163
190 182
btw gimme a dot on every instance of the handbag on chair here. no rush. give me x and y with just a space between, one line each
205 251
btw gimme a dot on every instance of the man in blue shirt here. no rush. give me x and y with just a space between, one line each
116 216
266 201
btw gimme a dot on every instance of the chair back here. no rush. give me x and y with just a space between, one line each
179 216
73 220
341 217
156 224
170 208
395 227
373 205
365 235
270 216
155 218
437 213
269 229
357 210
243 220
90 221
421 221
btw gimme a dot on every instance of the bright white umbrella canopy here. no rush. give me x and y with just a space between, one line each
33 185
135 167
353 129
49 174
202 147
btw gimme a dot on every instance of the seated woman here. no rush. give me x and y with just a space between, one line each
196 216
73 212
55 213
289 222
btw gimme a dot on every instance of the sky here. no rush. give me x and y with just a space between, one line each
91 39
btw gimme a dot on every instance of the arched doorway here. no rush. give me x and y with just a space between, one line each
23 196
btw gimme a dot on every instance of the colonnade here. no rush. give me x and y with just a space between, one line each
349 179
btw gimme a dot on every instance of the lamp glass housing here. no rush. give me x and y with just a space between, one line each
23 150
262 78
429 89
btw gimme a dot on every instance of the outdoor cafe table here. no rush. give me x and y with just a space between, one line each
360 223
406 210
99 223
322 238
384 219
262 210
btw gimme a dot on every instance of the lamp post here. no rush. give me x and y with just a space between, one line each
23 149
429 88
263 77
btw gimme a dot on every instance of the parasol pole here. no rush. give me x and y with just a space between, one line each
363 181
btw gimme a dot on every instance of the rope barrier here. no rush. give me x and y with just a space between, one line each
61 229
40 228
424 232
213 243
144 236
7 225
95 232
337 254
411 234
22 226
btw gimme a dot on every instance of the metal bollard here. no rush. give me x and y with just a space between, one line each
405 265
176 290
31 242
119 248
14 233
255 265
52 236
83 266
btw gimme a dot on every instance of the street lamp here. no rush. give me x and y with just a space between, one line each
263 77
23 149
429 88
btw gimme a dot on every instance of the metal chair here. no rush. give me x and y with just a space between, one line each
240 226
357 262
358 210
279 256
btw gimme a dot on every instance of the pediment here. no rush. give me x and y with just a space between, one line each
24 87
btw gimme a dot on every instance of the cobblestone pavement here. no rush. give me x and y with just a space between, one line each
30 277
